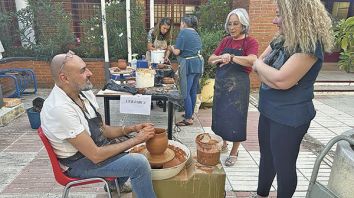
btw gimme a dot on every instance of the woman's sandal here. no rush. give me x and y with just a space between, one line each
184 123
231 160
183 115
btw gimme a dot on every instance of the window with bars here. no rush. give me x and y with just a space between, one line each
340 9
80 10
85 9
174 9
9 33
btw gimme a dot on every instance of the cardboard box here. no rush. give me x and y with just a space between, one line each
11 102
195 181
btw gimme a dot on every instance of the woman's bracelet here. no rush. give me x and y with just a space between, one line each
232 58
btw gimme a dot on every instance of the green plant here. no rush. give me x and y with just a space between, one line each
210 41
344 37
51 27
212 17
92 42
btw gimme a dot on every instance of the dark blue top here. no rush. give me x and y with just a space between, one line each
292 107
190 44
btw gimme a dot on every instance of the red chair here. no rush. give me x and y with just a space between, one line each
66 181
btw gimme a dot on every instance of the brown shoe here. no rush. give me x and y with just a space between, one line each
184 123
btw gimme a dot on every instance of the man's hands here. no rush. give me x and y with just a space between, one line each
138 127
145 133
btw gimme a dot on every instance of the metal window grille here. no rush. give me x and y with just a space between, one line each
10 31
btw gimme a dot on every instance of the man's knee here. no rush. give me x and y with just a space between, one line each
140 162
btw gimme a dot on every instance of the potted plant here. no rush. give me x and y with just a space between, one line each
344 37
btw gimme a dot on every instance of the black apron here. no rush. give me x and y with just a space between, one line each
95 126
231 98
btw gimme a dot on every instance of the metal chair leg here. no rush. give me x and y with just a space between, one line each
66 191
108 190
68 186
117 186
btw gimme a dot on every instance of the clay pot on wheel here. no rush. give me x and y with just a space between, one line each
158 144
122 64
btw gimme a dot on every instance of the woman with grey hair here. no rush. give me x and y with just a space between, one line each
191 65
234 57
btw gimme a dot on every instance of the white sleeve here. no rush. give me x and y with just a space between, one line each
65 122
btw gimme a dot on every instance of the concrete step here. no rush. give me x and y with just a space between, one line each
334 86
7 114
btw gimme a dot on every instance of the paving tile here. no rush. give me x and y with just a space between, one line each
12 164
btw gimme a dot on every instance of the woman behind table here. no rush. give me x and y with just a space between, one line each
188 48
160 37
288 69
234 57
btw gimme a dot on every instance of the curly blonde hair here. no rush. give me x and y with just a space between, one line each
304 23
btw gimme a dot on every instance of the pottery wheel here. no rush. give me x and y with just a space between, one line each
168 155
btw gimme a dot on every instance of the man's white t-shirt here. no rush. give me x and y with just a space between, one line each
61 119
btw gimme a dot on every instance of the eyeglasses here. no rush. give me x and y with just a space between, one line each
69 54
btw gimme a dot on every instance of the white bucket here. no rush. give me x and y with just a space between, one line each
157 56
145 78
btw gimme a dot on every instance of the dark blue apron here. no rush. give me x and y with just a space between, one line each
231 98
95 126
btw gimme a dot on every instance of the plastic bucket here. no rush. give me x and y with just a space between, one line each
157 56
34 118
208 148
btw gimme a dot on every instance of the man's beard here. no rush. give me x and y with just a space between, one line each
88 86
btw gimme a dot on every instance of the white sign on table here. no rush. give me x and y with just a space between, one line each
137 104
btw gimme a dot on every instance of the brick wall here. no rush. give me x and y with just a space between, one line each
241 4
261 13
7 86
44 78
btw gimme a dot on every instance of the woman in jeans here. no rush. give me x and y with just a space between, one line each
188 48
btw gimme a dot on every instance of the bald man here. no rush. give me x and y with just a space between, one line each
80 138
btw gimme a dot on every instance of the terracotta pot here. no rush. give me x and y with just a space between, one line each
158 144
122 64
208 149
168 80
161 66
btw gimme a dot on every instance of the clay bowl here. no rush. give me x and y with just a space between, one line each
161 66
141 90
158 144
168 80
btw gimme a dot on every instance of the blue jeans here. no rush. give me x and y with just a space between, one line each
134 166
192 88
